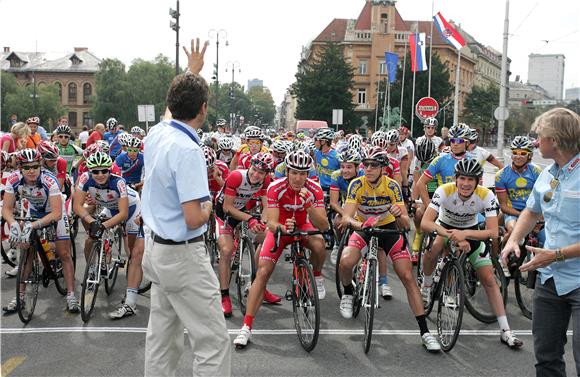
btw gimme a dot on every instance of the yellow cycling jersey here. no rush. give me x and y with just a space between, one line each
374 201
244 148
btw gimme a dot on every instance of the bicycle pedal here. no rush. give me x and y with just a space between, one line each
288 295
120 263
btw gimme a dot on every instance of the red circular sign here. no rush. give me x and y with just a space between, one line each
426 107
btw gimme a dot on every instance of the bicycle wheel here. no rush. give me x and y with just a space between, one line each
425 245
369 302
59 282
451 305
8 255
246 272
476 299
73 252
90 284
359 278
28 274
524 295
341 246
114 261
305 305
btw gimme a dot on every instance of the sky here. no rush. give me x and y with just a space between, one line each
265 37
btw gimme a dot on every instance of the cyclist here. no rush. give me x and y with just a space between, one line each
395 150
40 188
255 143
112 135
138 132
426 152
376 201
478 153
325 157
34 138
279 149
294 203
350 160
240 187
281 170
224 153
429 127
452 213
67 150
55 164
217 171
392 169
131 163
514 183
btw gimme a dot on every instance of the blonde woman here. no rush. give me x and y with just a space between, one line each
16 139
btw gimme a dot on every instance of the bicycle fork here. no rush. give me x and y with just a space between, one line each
372 255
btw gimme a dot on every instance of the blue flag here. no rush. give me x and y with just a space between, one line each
392 60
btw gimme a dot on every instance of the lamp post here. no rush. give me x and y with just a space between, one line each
232 66
175 27
213 33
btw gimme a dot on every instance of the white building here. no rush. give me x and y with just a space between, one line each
547 71
572 93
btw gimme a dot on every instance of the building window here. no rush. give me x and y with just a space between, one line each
59 88
72 93
72 119
362 67
87 120
87 92
362 96
382 68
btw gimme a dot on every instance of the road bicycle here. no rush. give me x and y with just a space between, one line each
243 265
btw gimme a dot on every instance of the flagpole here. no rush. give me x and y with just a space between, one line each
413 103
377 105
403 84
430 48
456 101
389 102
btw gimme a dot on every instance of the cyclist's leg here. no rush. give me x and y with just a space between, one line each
429 258
482 264
226 246
317 245
404 270
357 244
418 240
63 250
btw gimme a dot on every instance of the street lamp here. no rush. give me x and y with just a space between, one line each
213 33
232 66
175 27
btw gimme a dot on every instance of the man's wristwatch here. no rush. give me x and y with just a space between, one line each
559 256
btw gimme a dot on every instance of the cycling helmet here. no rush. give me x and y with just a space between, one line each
300 136
35 120
522 142
310 144
431 121
472 135
379 139
28 155
253 132
48 150
63 129
134 142
91 149
124 139
210 156
279 147
355 142
299 160
225 143
302 146
99 160
220 122
136 130
350 155
263 161
469 168
5 159
324 134
103 145
446 149
459 131
425 149
111 124
393 136
377 154
290 147
403 130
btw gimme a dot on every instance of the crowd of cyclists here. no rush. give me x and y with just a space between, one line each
324 180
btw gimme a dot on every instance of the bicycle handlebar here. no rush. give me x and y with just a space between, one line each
299 233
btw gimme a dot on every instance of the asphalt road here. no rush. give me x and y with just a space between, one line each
56 343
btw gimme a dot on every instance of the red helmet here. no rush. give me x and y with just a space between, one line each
404 130
93 148
28 155
48 150
263 161
210 156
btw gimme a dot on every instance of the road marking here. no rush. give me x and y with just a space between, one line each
11 364
255 331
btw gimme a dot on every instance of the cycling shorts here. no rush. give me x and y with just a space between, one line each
392 244
131 224
268 252
479 255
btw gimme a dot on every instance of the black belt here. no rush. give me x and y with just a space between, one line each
163 241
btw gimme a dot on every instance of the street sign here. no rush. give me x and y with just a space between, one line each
337 117
501 113
426 107
146 113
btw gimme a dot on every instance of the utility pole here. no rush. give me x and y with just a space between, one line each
174 25
501 113
216 33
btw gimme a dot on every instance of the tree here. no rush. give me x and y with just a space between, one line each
325 83
262 105
479 107
441 90
112 91
8 85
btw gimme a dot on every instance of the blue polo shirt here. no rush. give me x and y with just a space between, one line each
562 221
175 173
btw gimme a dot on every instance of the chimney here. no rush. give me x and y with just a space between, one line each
79 49
6 49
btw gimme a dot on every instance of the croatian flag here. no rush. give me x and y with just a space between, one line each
418 56
447 31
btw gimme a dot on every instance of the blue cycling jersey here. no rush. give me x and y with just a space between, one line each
339 183
443 168
518 186
113 140
130 169
326 164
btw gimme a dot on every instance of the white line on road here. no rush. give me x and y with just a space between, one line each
6 331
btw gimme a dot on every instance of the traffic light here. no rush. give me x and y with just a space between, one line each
174 25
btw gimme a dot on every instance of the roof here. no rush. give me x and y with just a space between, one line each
50 62
363 22
335 31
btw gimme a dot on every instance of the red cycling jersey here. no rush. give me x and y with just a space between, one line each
214 186
238 185
244 161
290 203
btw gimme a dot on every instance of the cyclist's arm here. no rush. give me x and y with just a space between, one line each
273 215
404 172
494 161
234 163
490 231
121 216
422 189
334 204
8 207
317 216
414 189
264 200
428 224
54 215
502 196
348 213
79 198
233 211
403 221
526 222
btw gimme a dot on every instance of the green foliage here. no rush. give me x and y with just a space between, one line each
263 104
479 106
112 91
19 100
325 84
441 90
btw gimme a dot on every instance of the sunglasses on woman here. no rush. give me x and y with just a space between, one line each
457 140
371 164
99 171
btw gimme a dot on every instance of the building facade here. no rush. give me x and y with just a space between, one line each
573 94
547 71
521 94
72 73
255 82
